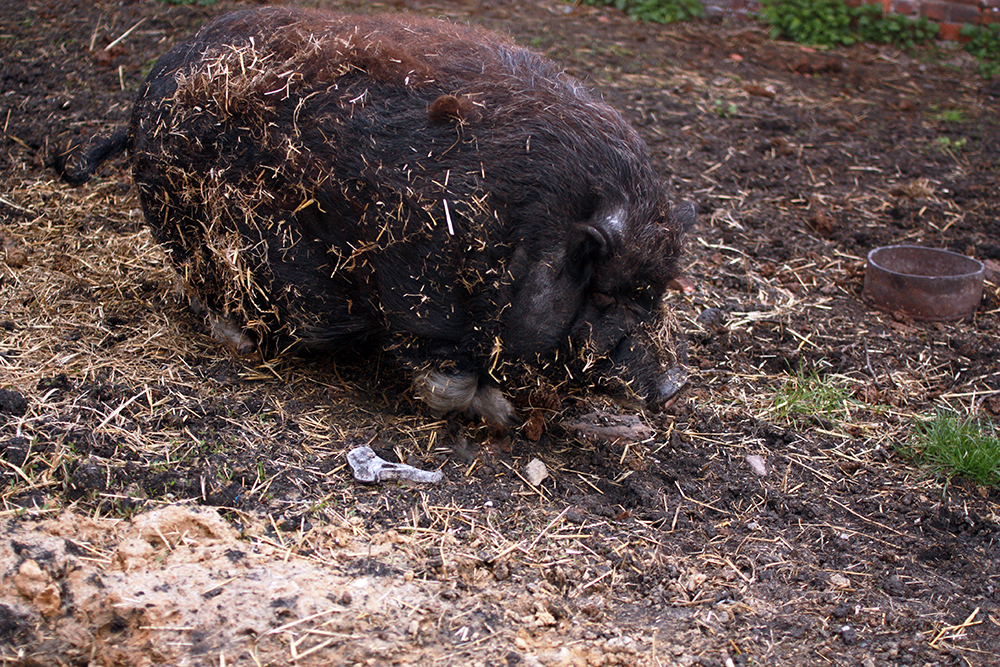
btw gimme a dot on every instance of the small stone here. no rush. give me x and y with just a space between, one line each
535 472
756 464
682 283
713 318
49 601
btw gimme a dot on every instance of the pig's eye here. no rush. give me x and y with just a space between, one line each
602 301
644 297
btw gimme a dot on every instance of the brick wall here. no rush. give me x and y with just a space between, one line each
949 14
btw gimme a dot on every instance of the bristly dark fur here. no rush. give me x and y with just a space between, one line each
319 179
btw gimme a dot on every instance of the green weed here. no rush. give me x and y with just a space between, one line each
810 395
818 22
724 109
834 23
655 11
956 446
984 44
872 25
947 143
950 116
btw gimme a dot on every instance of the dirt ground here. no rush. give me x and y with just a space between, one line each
167 503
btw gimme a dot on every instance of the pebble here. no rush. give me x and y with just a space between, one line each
536 472
756 464
712 317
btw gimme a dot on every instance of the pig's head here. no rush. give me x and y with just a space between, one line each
592 303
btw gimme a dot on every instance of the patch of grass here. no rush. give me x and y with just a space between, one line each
956 446
655 11
950 116
619 51
811 395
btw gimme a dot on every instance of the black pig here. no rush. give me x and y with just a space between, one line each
319 179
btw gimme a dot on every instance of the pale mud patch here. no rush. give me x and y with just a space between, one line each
184 586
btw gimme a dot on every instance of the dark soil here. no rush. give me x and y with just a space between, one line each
668 550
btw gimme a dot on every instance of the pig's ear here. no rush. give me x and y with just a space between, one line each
586 246
453 109
683 216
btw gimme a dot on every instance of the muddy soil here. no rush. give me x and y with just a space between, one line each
167 503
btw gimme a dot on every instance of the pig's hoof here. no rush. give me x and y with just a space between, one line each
489 404
461 392
222 328
229 334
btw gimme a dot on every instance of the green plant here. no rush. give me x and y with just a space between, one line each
619 51
947 143
874 26
983 42
923 31
811 395
655 11
724 109
868 21
950 116
819 22
955 446
833 23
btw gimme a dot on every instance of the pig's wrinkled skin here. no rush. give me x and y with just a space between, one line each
321 179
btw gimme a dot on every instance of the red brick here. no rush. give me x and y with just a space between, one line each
949 31
935 11
974 3
907 7
963 14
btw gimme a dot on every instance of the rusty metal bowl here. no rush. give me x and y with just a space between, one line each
923 283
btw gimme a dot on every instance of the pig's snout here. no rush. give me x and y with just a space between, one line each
671 383
638 363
